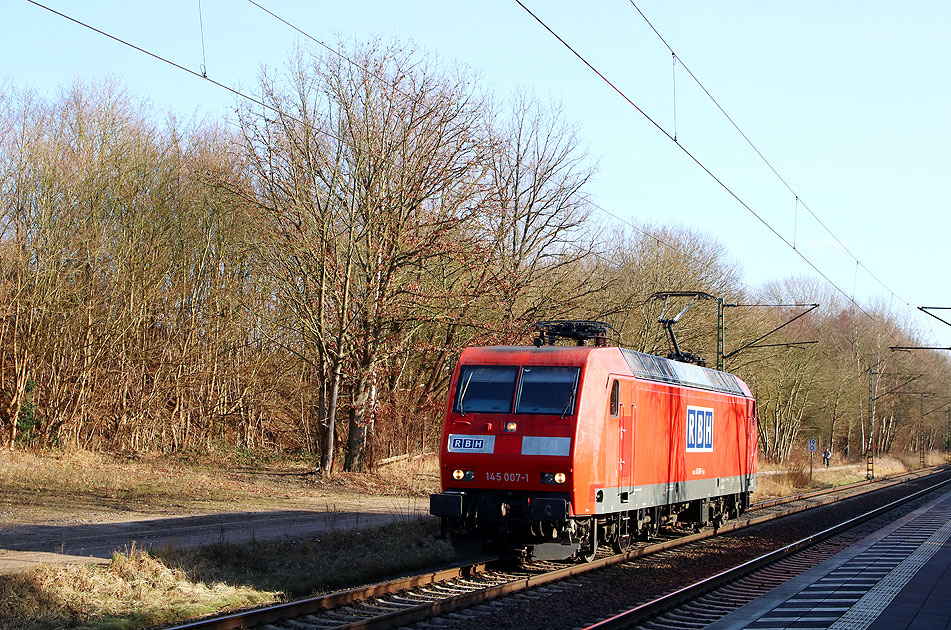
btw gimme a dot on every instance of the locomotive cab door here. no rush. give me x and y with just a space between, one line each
752 442
622 411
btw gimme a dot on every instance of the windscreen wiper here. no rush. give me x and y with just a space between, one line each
571 402
462 394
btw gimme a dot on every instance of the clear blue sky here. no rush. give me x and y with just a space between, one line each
848 100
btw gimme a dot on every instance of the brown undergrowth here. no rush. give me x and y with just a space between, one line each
82 485
337 559
135 590
140 589
794 476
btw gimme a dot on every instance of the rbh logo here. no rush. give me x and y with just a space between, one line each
468 443
699 430
471 444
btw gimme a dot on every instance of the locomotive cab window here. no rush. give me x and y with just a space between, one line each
615 399
547 390
485 389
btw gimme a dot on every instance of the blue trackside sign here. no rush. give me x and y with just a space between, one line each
471 443
699 430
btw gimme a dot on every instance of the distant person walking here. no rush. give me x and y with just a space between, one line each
826 457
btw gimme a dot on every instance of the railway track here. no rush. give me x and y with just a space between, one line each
445 593
709 599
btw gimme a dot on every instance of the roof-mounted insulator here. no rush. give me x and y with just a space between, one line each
581 331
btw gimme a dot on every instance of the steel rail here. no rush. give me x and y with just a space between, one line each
459 602
645 611
410 614
330 601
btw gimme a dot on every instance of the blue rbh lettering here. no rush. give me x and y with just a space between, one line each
691 428
708 430
699 430
471 443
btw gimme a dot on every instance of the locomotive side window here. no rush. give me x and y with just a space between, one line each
615 399
548 390
485 389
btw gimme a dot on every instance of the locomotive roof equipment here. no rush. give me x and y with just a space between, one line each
579 330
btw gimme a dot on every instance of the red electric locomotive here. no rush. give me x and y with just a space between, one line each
558 449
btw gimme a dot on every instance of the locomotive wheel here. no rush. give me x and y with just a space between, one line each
621 543
589 547
623 539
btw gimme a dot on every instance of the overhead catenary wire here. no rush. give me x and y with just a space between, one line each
240 94
696 160
201 28
763 157
178 66
369 71
795 222
646 233
203 75
276 110
673 83
713 176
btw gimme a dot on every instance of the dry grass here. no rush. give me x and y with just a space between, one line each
418 476
75 485
791 478
337 559
74 482
135 590
140 589
912 461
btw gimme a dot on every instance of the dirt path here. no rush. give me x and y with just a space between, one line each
25 546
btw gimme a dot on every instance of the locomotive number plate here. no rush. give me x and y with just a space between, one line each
511 477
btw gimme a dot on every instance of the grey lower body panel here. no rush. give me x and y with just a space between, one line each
625 498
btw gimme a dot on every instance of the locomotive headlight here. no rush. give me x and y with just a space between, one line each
554 478
510 426
463 475
560 477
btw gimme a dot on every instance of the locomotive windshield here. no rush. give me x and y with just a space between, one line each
549 390
541 390
485 389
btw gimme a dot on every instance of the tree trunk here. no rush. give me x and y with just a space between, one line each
329 425
356 440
